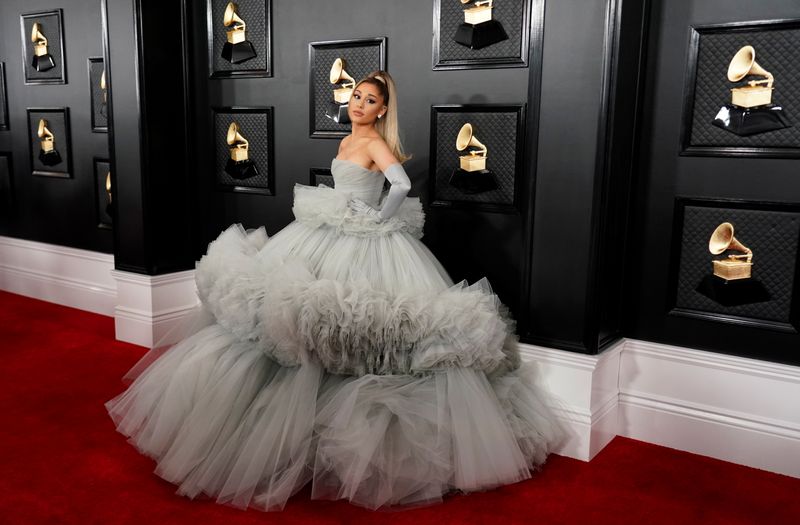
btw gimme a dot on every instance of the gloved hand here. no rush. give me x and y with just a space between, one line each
360 207
400 187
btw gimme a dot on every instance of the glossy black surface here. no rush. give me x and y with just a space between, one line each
54 209
664 174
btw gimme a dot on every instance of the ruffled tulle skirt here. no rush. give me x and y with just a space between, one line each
343 358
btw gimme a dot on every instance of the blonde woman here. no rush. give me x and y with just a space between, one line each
339 352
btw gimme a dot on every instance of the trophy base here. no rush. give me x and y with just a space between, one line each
241 170
238 53
733 293
337 113
480 35
49 158
43 63
751 121
472 182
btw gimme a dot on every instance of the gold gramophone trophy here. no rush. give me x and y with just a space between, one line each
42 59
109 204
104 100
479 28
48 154
337 108
239 165
731 283
751 110
237 49
734 266
472 176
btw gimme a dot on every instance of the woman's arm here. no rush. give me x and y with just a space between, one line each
400 183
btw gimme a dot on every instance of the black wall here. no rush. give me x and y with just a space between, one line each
54 210
556 261
663 175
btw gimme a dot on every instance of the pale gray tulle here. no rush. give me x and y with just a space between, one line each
346 360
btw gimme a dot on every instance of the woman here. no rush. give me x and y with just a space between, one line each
340 352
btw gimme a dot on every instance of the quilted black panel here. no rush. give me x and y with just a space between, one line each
777 51
510 14
773 237
255 128
99 118
254 14
50 28
359 60
56 123
101 168
498 132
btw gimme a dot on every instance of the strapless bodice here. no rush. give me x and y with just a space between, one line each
357 180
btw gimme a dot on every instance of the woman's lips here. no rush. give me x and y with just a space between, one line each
357 113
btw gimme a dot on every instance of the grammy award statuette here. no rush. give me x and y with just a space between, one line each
48 154
731 283
336 109
472 176
479 29
239 165
237 48
42 59
751 110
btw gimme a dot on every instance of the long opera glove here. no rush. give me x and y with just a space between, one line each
400 186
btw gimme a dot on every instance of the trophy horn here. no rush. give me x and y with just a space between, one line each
232 17
338 73
744 63
36 35
43 132
108 185
466 138
722 239
234 138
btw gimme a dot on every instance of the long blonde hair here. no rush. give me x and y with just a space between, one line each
387 126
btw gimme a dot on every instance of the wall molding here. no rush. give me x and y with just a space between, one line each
58 274
732 408
150 306
584 394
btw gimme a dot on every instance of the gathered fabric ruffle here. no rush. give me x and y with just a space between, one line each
318 205
223 420
350 327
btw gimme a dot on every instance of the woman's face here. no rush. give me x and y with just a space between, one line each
366 103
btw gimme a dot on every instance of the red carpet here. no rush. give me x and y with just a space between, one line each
63 462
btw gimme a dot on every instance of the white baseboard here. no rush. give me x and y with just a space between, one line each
148 307
57 274
584 391
736 409
732 408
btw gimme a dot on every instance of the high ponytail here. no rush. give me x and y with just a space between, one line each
387 126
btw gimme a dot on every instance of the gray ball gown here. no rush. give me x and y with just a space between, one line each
338 352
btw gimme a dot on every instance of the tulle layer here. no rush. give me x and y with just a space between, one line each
351 326
348 360
224 420
318 205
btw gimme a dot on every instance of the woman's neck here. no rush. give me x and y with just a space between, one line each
363 130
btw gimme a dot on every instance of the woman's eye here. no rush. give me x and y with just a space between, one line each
370 101
356 97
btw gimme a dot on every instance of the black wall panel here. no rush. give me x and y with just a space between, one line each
51 210
664 175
